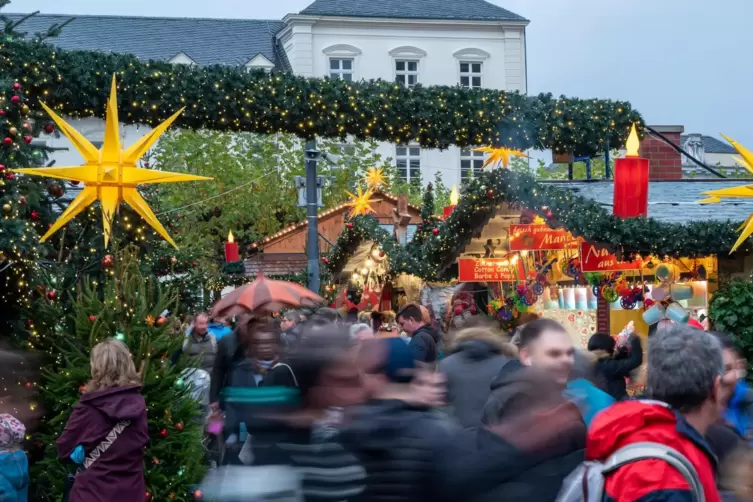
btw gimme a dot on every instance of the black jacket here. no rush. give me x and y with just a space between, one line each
423 342
514 391
413 454
613 370
226 349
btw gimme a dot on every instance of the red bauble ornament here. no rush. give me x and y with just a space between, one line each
10 176
8 141
28 139
349 225
161 321
27 125
163 433
148 496
92 318
179 426
16 85
490 193
2 113
49 128
198 494
52 295
15 99
2 167
108 261
34 214
435 231
549 214
458 310
325 260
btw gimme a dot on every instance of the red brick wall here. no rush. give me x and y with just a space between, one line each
665 162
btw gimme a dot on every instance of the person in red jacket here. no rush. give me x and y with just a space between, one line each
685 370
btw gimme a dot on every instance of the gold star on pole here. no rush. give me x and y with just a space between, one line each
499 156
110 173
745 191
361 203
375 178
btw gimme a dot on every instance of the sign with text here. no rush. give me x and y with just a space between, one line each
540 238
489 270
596 259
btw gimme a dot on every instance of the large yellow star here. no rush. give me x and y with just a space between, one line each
361 203
375 178
745 191
499 155
110 173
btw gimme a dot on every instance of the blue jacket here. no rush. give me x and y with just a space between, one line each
218 330
739 409
590 399
14 476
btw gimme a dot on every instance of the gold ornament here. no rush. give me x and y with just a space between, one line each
111 173
361 203
738 192
13 131
150 320
499 156
7 208
25 109
375 178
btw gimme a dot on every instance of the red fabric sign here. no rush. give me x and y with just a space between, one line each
489 270
539 238
596 259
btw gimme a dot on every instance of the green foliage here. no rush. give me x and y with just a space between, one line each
427 208
231 99
583 217
125 306
731 311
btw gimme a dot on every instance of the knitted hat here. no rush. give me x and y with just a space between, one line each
398 362
12 431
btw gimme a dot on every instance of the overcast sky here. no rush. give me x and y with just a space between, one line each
680 62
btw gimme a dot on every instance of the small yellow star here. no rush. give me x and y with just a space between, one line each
375 178
738 192
361 203
499 155
110 173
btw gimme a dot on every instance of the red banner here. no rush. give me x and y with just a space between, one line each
596 259
490 270
540 238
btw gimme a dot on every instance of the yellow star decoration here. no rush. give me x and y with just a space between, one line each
361 203
110 173
499 156
745 191
375 178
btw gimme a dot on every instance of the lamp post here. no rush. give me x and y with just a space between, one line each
312 216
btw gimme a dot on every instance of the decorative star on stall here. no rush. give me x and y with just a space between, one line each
110 173
746 191
361 203
499 156
375 178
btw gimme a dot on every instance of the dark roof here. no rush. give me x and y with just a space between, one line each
276 264
674 201
472 10
712 145
232 42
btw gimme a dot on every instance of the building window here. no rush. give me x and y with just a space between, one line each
471 74
406 72
408 161
471 164
341 68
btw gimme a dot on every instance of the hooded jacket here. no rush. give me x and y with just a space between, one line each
118 474
424 342
613 371
740 408
518 389
631 422
477 359
14 476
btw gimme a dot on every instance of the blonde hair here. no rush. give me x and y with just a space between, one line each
388 317
112 366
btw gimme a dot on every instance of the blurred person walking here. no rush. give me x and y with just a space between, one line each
290 325
110 418
614 366
423 337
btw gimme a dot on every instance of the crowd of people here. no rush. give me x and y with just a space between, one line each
363 416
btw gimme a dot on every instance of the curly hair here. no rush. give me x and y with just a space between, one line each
112 366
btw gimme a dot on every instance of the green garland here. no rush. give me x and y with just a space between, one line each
76 84
432 258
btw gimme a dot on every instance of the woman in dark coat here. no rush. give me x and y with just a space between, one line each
112 402
613 367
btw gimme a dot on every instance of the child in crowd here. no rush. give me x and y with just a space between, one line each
14 466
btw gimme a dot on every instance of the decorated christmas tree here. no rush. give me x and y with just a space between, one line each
132 308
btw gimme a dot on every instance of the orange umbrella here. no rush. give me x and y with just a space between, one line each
265 296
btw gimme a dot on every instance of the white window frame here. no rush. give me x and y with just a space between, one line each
470 57
406 73
407 54
408 157
342 52
476 160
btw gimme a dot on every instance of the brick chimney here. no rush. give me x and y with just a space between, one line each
665 163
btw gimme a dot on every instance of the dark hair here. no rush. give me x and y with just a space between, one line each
726 341
411 311
533 330
326 315
292 315
325 346
601 341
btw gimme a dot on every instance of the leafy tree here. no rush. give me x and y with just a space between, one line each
542 171
731 311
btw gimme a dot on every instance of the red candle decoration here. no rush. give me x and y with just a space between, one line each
631 181
231 249
454 196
